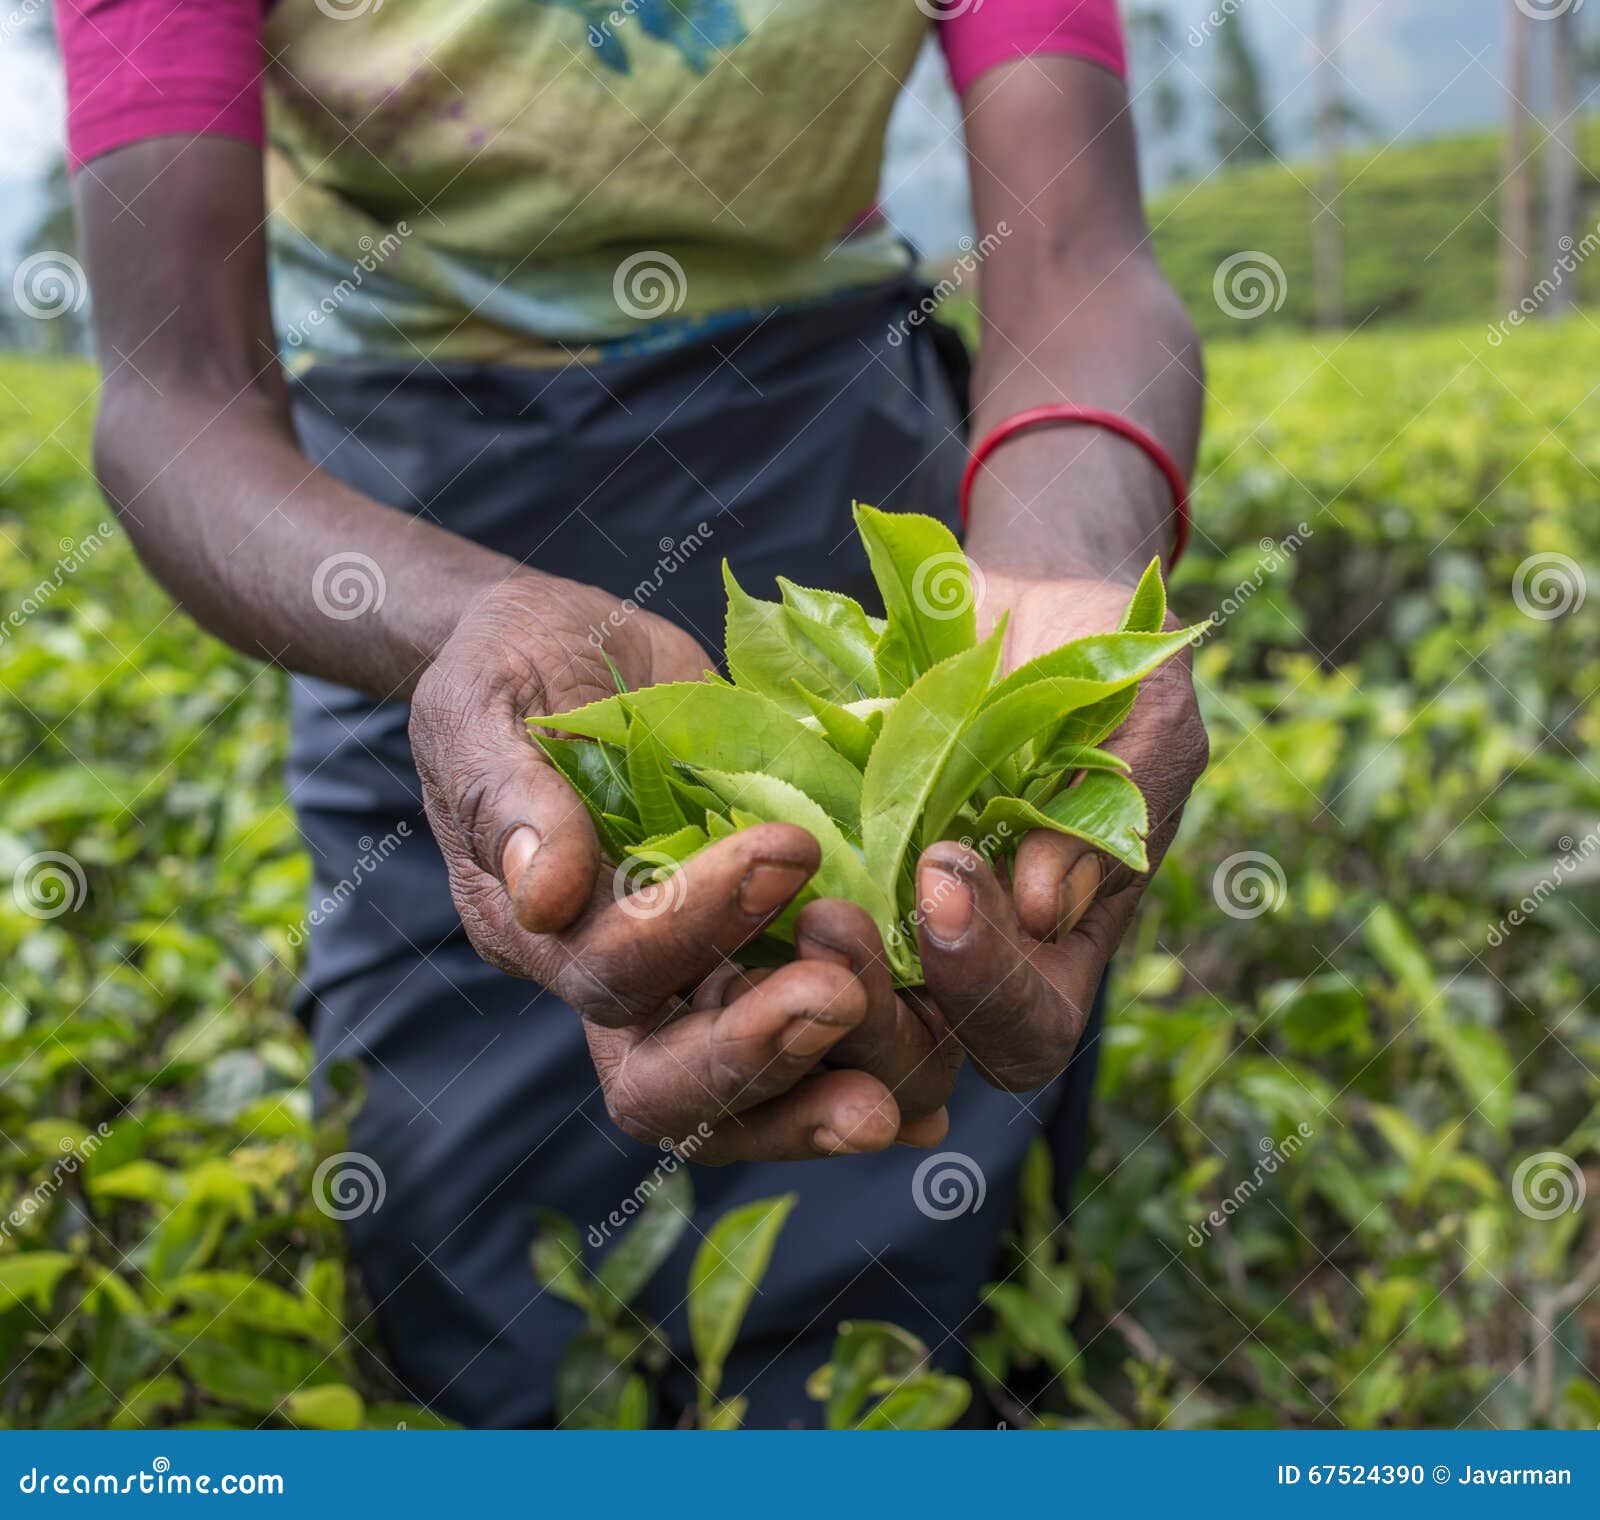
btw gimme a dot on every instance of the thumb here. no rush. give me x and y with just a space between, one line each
510 811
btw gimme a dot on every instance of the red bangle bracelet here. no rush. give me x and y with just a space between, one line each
1091 416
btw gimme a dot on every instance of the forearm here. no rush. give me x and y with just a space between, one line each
274 555
1074 309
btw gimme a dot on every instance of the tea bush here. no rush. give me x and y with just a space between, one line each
1350 1110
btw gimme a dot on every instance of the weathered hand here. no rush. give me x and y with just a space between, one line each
1015 971
682 1045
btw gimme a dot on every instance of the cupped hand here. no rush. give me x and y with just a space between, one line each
688 1050
1015 969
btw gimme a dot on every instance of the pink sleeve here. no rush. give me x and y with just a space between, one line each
986 32
145 68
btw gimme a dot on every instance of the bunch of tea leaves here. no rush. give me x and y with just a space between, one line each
878 735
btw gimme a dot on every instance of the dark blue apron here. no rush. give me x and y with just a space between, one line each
481 1104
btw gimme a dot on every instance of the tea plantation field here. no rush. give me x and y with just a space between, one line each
1347 1161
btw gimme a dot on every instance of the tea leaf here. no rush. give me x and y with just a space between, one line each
923 578
645 1244
918 736
768 654
1105 808
1107 660
840 627
648 770
726 1272
558 1259
1147 608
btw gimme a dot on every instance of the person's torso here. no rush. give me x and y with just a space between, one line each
489 180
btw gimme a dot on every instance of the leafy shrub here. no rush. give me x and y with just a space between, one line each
1405 743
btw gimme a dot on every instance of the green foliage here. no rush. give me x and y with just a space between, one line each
879 736
1408 747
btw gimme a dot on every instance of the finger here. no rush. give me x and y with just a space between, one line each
1054 880
906 1047
703 1067
728 983
1015 1023
509 813
644 945
830 1113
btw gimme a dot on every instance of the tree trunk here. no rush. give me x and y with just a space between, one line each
1561 163
1516 181
1327 232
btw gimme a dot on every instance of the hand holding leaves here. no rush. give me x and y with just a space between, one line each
881 737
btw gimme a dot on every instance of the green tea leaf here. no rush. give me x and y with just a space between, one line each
648 769
926 586
767 799
918 737
930 1401
1105 808
646 1243
728 729
724 1277
1104 662
999 730
840 627
1147 608
558 1259
852 736
768 652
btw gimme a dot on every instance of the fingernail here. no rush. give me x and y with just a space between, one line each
766 887
807 1035
521 845
1077 891
828 1142
947 904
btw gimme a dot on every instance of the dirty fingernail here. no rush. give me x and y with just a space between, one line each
766 887
1077 892
521 845
947 904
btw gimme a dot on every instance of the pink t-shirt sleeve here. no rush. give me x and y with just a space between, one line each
146 68
988 32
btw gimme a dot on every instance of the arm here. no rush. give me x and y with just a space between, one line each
195 447
1064 519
